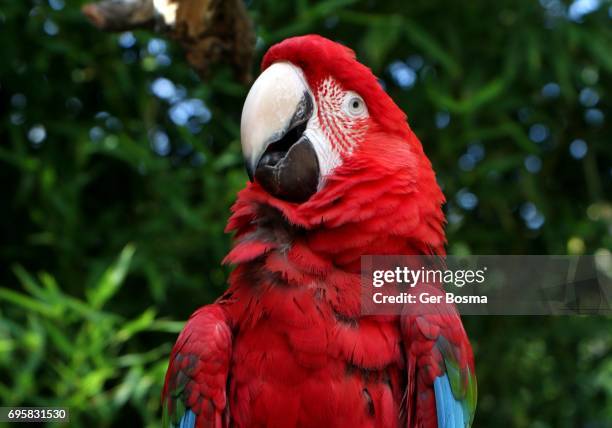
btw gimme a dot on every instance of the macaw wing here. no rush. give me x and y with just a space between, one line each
194 393
441 388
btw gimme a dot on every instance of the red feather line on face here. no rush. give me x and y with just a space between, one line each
343 132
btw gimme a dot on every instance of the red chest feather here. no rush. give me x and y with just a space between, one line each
302 364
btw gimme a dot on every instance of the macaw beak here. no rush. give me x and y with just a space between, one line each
276 152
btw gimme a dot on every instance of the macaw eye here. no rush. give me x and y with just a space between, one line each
355 106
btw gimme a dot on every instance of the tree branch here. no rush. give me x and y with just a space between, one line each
210 31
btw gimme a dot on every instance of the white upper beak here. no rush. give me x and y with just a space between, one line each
269 109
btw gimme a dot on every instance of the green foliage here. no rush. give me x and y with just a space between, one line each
79 353
119 184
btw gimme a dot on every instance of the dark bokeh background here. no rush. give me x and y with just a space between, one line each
118 167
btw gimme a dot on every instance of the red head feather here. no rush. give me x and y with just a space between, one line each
319 57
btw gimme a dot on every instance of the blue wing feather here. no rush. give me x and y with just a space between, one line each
188 420
449 410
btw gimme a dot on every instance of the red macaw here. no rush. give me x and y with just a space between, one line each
336 173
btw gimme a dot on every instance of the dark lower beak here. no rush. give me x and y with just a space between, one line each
292 175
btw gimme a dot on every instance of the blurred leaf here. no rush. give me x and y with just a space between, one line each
111 279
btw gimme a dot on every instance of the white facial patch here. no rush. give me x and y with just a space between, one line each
167 10
337 125
328 158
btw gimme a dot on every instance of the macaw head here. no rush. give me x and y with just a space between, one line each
320 136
